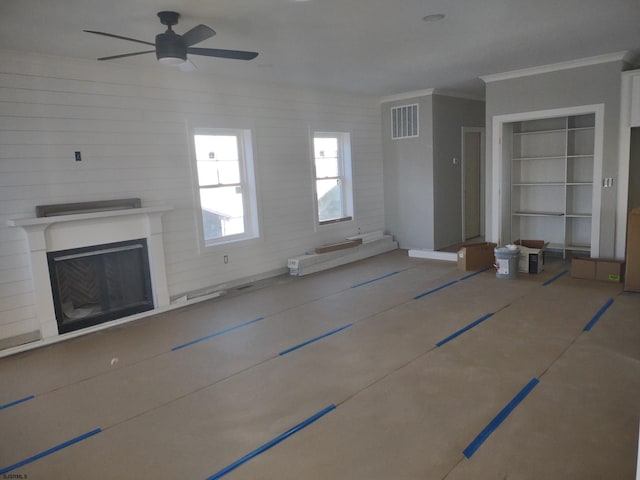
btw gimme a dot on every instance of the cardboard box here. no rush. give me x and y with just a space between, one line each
476 256
531 255
602 269
632 275
609 270
583 267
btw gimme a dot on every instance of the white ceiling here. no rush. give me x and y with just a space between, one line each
380 47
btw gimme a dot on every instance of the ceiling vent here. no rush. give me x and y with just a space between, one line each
404 121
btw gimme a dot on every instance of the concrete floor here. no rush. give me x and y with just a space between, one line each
404 407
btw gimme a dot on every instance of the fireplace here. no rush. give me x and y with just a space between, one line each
82 233
95 284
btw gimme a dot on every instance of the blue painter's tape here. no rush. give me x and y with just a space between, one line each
597 316
289 350
495 423
553 279
271 443
462 330
16 402
221 332
475 273
375 279
50 451
435 290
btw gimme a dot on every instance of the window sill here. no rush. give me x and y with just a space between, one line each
208 245
335 220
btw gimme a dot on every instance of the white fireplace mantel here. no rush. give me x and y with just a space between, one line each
62 232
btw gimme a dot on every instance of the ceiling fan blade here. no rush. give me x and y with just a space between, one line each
126 55
120 37
216 52
197 34
187 66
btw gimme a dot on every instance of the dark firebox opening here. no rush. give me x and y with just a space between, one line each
96 284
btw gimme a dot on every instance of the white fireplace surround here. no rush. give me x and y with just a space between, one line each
50 234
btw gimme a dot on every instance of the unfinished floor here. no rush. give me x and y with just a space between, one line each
353 373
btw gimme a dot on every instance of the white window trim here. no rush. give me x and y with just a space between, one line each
248 182
346 170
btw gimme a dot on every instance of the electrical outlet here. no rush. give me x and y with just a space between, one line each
226 259
78 156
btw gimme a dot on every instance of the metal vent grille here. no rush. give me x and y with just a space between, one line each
404 121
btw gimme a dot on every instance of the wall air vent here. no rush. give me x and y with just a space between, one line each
404 121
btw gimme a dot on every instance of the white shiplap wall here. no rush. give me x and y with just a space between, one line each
131 125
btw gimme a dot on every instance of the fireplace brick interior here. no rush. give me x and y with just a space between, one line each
92 285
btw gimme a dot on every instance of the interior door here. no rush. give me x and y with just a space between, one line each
472 143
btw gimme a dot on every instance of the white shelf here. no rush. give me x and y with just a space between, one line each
524 159
576 129
578 248
539 184
538 214
552 179
540 132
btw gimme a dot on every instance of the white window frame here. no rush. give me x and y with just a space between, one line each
345 176
247 184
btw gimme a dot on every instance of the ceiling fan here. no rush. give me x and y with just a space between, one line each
172 49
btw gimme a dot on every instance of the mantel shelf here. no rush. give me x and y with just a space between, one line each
46 221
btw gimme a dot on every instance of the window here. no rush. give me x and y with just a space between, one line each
226 185
332 167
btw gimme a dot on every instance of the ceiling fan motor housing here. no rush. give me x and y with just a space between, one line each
169 45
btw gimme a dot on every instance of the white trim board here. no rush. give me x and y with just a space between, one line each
433 255
622 202
483 168
498 121
554 67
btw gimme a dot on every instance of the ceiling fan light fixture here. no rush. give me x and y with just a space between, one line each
170 49
171 61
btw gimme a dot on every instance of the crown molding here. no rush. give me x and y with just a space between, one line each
554 67
407 95
431 91
455 94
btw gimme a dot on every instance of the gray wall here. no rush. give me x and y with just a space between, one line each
588 85
450 114
421 184
408 178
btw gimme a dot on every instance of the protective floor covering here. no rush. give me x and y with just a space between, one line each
422 362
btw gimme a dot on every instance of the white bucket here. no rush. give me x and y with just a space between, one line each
507 262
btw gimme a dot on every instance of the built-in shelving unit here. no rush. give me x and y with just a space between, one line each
552 181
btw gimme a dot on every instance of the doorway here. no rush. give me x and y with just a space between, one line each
472 182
